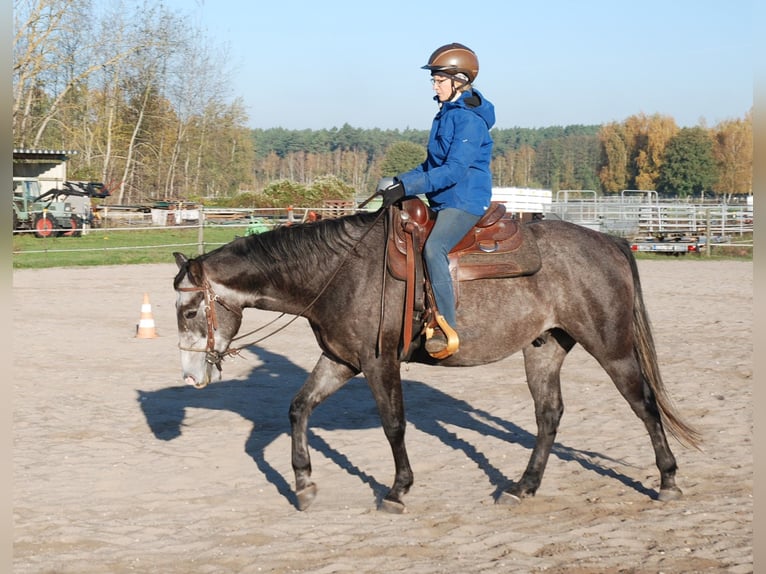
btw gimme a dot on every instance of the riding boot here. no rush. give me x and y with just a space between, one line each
441 341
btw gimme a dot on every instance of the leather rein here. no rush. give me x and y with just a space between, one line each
214 357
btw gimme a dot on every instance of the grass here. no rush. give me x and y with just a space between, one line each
116 247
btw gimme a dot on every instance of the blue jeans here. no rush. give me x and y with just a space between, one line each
450 227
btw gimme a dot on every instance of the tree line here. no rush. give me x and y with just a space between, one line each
141 95
643 152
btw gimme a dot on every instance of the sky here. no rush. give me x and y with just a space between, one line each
304 64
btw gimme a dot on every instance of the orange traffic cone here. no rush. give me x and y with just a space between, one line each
145 328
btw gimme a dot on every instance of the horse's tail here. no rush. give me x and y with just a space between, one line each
647 358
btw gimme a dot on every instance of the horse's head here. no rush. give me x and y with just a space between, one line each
206 324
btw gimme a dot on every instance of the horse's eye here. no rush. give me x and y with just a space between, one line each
190 314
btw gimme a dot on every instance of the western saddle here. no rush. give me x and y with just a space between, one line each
497 246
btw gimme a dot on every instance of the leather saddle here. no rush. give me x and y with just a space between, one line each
497 247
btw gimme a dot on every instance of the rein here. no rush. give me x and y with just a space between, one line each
214 357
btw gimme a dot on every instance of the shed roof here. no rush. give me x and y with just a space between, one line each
27 154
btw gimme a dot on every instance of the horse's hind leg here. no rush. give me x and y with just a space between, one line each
542 363
326 378
627 377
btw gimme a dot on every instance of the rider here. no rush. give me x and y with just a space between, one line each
455 176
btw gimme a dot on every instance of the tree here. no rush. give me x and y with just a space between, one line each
524 162
38 27
733 151
613 172
54 55
657 131
224 155
402 156
645 139
144 98
549 167
689 166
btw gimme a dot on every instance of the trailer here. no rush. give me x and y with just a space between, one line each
667 246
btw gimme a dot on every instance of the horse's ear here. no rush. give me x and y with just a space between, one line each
181 259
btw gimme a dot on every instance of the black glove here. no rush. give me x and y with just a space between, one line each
392 194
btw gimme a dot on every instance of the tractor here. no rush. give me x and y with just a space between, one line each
57 212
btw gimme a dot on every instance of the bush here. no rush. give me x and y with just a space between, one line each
284 192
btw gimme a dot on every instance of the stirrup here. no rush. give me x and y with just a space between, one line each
453 342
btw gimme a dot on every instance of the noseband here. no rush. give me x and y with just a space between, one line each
212 356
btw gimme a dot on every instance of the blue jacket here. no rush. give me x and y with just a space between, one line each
456 171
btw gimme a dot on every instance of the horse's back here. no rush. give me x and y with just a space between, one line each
590 259
585 282
557 237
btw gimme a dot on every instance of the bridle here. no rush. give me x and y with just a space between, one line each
212 357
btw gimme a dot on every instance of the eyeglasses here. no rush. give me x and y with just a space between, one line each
438 81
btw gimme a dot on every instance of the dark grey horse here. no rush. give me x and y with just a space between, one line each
333 273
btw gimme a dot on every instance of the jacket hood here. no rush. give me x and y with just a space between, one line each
474 101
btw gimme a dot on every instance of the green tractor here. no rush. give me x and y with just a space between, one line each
57 212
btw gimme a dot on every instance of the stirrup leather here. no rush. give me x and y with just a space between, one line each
453 342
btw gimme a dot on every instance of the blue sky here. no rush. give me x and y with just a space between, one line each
313 65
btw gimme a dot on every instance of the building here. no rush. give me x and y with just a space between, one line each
49 167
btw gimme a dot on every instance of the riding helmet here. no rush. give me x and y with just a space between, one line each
453 59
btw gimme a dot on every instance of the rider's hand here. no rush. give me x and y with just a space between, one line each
392 193
383 183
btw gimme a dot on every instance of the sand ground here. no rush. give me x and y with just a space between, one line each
119 467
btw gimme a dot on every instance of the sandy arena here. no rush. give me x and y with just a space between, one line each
119 467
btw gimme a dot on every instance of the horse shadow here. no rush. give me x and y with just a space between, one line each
264 400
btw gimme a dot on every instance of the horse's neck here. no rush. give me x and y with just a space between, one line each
294 281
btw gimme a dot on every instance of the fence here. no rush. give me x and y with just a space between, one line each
645 215
195 229
627 217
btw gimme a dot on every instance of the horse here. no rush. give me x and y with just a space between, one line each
333 273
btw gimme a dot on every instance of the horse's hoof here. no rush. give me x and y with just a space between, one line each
508 499
392 507
667 494
306 496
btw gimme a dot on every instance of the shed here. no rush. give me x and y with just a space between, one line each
48 166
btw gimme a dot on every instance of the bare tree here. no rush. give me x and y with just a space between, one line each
195 83
53 55
37 25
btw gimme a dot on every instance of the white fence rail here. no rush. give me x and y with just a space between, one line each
632 217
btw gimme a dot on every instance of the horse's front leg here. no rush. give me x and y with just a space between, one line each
326 378
386 385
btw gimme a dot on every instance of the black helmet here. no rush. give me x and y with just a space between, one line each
452 59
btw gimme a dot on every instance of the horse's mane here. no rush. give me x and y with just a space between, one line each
299 250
